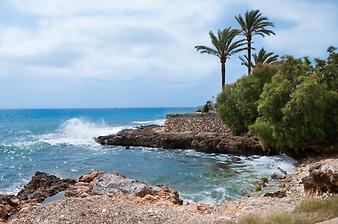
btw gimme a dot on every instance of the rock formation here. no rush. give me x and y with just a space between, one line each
211 142
43 186
323 177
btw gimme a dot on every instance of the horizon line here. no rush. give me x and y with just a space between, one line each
103 108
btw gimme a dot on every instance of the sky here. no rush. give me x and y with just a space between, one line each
109 53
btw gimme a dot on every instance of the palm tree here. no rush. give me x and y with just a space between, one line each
224 45
253 23
263 57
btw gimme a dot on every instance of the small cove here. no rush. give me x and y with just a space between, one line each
60 142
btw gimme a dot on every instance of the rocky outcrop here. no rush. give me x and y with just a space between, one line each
114 183
323 177
211 142
38 189
42 186
8 204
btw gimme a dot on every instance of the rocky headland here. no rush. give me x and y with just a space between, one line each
100 197
199 131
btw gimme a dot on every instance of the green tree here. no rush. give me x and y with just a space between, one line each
253 23
296 108
328 69
263 57
224 45
237 104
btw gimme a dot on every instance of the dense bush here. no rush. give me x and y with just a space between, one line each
237 104
287 105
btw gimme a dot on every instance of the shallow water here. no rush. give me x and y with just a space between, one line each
61 142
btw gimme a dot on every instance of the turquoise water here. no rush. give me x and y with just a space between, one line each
61 142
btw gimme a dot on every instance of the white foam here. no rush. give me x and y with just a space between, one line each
157 121
78 132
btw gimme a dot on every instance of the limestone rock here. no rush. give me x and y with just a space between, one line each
42 186
210 142
323 177
114 183
8 204
87 178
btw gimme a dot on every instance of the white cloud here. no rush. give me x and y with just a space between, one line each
148 39
110 39
311 25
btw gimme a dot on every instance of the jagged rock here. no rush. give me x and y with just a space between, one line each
8 204
211 142
277 194
114 183
262 183
42 186
281 174
323 177
90 176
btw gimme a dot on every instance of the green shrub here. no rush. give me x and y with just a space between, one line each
287 105
295 108
237 104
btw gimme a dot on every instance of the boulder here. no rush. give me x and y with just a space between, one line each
87 178
114 183
277 194
42 186
8 204
262 183
281 174
323 177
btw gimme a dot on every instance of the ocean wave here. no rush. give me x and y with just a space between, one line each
74 131
78 132
157 121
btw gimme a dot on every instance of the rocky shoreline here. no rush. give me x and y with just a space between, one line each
100 197
153 136
202 132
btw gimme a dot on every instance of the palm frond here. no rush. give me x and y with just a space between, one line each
264 57
207 50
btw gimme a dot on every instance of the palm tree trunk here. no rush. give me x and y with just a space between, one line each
249 55
223 74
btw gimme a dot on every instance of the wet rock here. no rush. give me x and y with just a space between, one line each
235 159
211 142
323 177
262 183
281 174
277 194
42 186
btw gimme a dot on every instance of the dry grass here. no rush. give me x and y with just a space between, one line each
308 212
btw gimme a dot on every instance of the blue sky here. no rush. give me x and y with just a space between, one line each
106 53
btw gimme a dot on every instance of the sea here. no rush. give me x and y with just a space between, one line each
61 142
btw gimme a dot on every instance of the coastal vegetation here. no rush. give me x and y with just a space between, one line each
263 57
307 212
224 45
253 23
289 104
